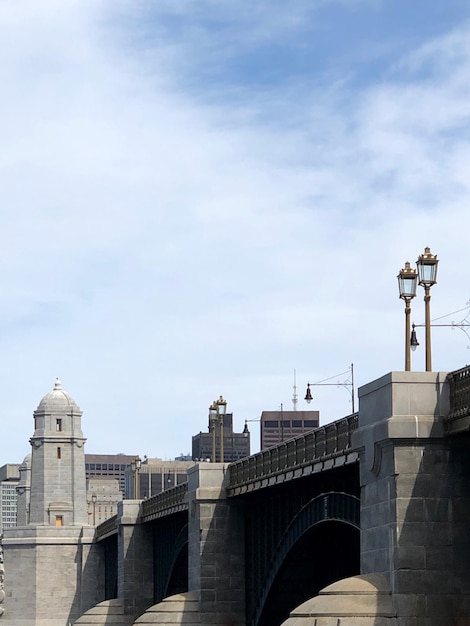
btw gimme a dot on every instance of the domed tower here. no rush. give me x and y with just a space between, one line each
58 484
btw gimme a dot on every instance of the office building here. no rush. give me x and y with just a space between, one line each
236 445
153 476
103 495
9 480
109 466
277 426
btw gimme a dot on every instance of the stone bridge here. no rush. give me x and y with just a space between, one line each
379 500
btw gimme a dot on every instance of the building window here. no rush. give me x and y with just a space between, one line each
310 423
59 453
58 425
59 520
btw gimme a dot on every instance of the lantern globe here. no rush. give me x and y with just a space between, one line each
427 268
407 282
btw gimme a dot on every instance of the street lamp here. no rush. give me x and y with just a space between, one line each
212 426
323 383
463 326
407 279
135 467
246 431
427 272
221 410
93 499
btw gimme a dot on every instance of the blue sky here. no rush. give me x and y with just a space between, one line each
199 197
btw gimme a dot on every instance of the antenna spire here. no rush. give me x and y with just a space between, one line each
294 395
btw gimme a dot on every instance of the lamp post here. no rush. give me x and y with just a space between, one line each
427 272
212 427
135 467
93 500
407 279
323 383
221 410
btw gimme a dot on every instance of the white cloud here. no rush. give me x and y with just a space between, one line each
160 249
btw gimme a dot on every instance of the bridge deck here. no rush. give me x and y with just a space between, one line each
318 450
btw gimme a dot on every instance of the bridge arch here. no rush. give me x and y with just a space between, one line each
324 531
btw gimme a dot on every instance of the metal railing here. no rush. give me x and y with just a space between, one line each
459 388
325 442
165 503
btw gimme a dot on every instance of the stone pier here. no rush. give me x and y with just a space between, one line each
216 546
415 500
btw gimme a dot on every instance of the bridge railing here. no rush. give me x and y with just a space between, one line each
459 387
327 441
106 528
168 501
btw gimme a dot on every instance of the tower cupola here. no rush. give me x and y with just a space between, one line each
58 484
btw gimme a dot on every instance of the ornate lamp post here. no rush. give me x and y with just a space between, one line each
221 410
93 500
212 426
407 280
427 272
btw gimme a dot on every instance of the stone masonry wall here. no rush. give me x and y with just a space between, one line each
415 502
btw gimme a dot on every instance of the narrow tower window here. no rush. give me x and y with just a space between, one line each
58 425
59 520
59 453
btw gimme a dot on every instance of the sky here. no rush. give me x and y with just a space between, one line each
200 197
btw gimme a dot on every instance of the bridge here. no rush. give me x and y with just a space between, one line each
383 492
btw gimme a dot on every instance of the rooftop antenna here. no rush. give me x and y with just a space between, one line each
294 395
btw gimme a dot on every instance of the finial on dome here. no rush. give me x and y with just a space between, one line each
57 384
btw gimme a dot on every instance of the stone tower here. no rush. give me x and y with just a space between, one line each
53 569
58 484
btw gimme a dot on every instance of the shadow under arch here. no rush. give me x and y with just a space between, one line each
170 557
177 581
320 545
